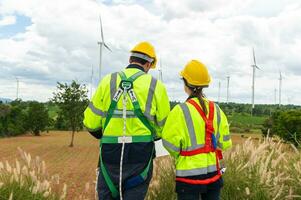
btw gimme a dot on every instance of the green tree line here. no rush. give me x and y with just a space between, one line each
63 112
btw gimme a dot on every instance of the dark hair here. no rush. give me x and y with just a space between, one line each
197 91
137 60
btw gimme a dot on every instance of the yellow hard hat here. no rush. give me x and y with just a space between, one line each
145 51
196 73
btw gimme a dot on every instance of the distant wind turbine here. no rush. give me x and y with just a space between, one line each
253 80
228 82
17 93
101 43
280 87
275 96
219 91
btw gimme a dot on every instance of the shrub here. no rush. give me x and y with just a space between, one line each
285 124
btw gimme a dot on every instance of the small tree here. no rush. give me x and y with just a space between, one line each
37 118
72 101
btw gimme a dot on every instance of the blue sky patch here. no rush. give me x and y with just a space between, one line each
10 30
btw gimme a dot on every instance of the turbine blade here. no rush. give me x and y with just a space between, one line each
102 38
104 44
257 67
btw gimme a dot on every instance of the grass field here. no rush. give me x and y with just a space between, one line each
75 166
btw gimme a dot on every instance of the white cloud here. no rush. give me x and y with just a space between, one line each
7 20
61 43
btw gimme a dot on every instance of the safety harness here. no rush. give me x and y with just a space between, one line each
210 145
126 88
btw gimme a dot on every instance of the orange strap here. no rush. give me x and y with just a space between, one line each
209 130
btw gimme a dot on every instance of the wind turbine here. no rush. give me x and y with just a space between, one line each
228 82
101 43
280 87
253 80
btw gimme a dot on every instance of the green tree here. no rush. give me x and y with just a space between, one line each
72 101
16 119
37 118
4 116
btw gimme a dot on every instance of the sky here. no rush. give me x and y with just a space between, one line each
43 42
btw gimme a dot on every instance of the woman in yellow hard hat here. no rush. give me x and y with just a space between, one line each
195 134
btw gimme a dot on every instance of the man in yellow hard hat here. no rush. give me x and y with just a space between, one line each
127 113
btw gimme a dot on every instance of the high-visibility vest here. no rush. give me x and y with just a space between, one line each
193 138
151 95
126 86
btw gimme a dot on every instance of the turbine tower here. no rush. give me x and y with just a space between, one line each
280 87
253 80
91 83
228 82
275 96
101 43
160 71
17 93
219 91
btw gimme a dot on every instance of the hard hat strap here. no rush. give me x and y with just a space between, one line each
142 56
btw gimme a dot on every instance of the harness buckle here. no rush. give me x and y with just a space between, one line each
126 85
125 139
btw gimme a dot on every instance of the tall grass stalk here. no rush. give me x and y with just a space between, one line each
256 170
27 179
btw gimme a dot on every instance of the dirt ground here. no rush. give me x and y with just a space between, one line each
75 166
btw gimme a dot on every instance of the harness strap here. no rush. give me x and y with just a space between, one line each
210 141
203 181
127 139
107 178
125 82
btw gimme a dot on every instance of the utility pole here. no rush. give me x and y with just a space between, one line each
228 82
219 91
